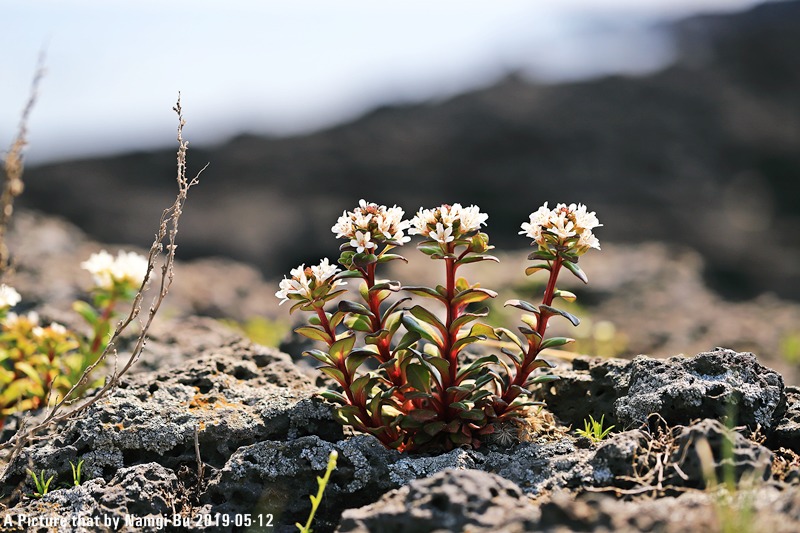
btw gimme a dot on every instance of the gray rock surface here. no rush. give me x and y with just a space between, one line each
716 384
787 431
264 436
452 500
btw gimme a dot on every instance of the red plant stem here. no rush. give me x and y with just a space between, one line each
105 317
366 419
450 268
449 379
549 293
534 346
384 345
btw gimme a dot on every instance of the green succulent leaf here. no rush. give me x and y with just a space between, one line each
541 254
439 363
356 359
426 331
536 268
483 330
319 355
426 292
466 318
476 258
340 349
463 342
576 270
334 397
364 260
459 406
511 336
345 274
358 323
521 304
473 295
362 384
377 337
408 340
392 286
335 373
419 377
539 363
554 311
544 378
434 428
314 334
429 249
346 306
86 311
385 258
555 342
478 363
472 414
429 318
565 295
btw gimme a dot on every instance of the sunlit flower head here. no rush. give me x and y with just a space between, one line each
447 222
376 224
566 226
9 297
127 269
305 282
26 321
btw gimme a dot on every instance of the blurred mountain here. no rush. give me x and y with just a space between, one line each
704 153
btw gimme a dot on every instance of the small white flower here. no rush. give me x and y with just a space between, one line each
472 219
298 284
442 234
324 271
420 222
562 227
128 267
305 280
379 222
361 242
564 222
13 319
343 226
38 332
584 219
9 297
449 214
57 328
588 240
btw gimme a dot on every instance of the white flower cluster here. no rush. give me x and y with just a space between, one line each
13 320
9 297
30 322
448 222
370 224
305 280
107 271
563 223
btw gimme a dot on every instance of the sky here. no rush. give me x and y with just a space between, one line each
114 68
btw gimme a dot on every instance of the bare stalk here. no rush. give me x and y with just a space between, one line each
168 229
13 166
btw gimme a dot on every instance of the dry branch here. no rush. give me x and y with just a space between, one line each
13 166
167 231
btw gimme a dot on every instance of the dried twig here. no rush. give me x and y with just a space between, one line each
13 166
201 466
168 229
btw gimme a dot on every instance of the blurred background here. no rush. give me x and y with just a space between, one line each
677 121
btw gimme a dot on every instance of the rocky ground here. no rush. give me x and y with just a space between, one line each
211 425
